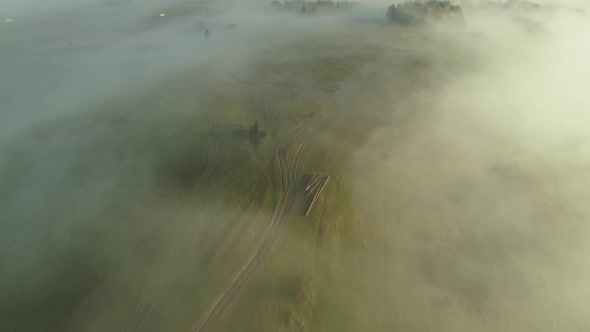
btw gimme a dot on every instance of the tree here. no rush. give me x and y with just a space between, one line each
255 132
417 12
254 129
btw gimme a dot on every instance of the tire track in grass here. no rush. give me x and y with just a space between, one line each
289 165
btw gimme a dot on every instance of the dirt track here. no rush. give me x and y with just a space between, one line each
289 156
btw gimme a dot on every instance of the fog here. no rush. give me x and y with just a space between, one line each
101 111
113 47
472 189
483 198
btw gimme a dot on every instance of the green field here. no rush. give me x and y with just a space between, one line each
160 210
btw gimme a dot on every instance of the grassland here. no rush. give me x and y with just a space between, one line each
186 156
197 199
190 224
304 285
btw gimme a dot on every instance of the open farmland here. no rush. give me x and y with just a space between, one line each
292 172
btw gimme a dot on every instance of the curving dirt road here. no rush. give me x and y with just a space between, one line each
289 160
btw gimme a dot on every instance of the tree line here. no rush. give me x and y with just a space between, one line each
417 12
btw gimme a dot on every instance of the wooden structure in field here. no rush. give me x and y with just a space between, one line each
314 186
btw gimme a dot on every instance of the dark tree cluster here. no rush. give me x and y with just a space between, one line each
311 6
255 134
419 12
515 4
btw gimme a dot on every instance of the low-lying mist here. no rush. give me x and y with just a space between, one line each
472 186
109 189
482 196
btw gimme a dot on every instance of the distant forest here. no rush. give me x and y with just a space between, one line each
417 12
413 12
514 4
311 6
